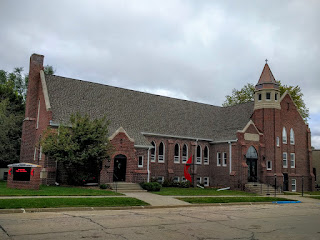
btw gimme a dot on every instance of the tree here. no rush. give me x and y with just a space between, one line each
82 147
246 94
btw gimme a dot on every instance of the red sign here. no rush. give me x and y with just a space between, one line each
186 167
21 170
32 172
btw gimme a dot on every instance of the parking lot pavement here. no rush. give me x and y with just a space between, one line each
272 221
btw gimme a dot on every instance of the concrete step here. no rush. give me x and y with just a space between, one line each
262 189
126 187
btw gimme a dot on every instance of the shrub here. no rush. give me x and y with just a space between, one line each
151 186
105 186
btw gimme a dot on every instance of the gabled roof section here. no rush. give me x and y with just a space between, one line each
139 112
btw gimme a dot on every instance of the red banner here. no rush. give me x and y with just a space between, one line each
186 167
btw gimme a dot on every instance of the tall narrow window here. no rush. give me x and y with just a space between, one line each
38 115
285 160
259 97
268 95
269 165
206 155
276 97
199 154
292 160
40 153
224 163
153 152
184 153
291 136
35 154
161 153
177 153
218 159
293 185
140 161
284 135
278 142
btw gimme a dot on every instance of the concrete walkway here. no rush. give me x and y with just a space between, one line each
156 200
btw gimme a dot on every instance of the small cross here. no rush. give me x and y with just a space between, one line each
266 61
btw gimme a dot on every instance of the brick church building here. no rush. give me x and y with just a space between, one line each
153 135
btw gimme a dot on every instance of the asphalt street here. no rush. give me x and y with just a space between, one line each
269 221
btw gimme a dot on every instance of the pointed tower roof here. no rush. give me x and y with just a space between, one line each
267 79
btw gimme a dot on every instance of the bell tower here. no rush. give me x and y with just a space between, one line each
267 94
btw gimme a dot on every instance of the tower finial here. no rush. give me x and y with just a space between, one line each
266 61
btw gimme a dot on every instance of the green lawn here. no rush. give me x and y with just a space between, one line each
315 197
172 191
313 193
70 202
196 200
54 191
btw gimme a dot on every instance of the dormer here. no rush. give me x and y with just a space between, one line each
267 94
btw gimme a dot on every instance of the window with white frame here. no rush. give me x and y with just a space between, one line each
40 153
218 159
199 153
291 136
206 155
224 163
35 154
292 160
206 181
284 135
160 179
293 185
183 179
161 153
176 179
140 161
285 160
184 153
269 165
153 152
176 153
278 142
276 97
198 180
268 95
38 115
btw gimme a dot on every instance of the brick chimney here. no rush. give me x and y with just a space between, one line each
28 138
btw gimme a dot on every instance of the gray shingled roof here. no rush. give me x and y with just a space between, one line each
140 112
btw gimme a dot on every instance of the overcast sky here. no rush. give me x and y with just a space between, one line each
195 50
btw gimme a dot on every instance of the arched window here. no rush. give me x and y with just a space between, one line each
184 153
199 154
161 152
252 153
177 153
284 136
153 152
291 136
206 155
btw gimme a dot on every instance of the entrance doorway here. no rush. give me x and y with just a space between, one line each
252 160
120 167
285 182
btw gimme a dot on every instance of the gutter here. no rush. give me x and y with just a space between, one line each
230 157
148 165
175 136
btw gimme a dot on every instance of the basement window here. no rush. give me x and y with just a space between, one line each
293 185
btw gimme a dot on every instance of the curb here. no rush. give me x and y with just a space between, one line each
69 209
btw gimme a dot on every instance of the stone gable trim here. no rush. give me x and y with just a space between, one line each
45 91
120 130
247 126
284 95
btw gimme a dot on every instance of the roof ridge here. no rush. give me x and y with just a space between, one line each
127 89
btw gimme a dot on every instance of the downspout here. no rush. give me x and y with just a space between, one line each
230 157
148 164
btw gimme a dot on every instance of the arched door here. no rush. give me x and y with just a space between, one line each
252 159
120 167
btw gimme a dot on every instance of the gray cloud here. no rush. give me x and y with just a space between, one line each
197 50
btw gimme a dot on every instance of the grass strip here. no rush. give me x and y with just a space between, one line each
313 193
315 197
54 191
173 191
70 202
199 200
